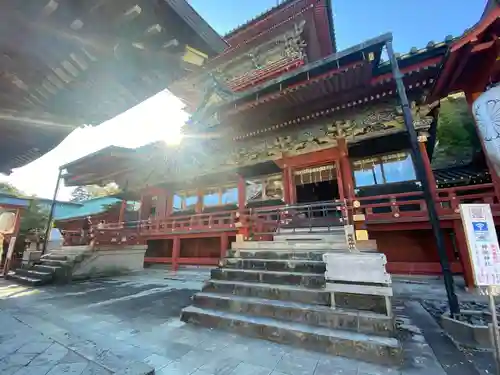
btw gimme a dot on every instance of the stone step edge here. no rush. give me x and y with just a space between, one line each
274 260
33 272
268 286
295 305
276 273
14 276
330 334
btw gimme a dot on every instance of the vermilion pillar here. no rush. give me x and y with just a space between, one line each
176 251
170 204
224 245
346 169
241 194
427 164
286 185
461 243
199 202
121 216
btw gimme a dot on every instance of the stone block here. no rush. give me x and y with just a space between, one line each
467 334
273 292
321 316
291 265
364 302
357 267
309 280
373 349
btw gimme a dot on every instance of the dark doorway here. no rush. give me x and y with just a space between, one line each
318 192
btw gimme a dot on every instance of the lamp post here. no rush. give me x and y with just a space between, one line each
52 210
422 176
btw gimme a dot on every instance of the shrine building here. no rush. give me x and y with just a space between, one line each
281 117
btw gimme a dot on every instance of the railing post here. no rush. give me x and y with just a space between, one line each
176 251
224 245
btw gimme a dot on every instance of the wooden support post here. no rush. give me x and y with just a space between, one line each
199 202
123 207
224 245
471 97
427 164
347 179
170 204
461 243
176 252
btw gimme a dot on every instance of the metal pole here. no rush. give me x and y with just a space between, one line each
422 176
51 214
494 327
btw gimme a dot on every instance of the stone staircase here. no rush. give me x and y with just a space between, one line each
54 267
277 290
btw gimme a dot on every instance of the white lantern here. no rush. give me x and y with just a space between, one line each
486 111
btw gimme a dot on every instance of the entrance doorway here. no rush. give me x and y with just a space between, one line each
318 192
318 187
317 184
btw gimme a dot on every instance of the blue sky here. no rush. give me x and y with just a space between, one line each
413 23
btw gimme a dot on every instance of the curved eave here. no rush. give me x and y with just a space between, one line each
457 68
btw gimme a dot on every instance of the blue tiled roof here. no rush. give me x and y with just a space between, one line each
87 208
14 201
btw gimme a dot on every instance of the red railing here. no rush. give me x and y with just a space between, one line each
394 207
383 208
198 223
327 215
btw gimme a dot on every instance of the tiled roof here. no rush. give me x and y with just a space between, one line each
88 208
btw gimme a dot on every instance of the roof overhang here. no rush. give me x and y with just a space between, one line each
472 61
86 62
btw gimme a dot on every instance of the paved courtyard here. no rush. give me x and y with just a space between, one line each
116 325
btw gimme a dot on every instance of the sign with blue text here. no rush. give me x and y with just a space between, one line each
482 243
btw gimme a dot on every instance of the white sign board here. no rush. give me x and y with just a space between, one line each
482 242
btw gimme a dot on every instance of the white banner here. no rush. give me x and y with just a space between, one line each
482 243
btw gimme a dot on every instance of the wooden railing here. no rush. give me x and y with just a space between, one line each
198 223
327 215
383 208
397 207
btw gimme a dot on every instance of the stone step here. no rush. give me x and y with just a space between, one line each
286 245
380 350
25 280
46 268
55 263
316 255
322 229
54 257
314 237
291 265
310 280
268 291
34 274
322 316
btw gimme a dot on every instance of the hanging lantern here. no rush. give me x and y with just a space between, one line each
486 111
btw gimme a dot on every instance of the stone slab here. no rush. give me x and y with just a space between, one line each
268 291
292 265
357 267
285 245
310 280
321 316
316 255
381 350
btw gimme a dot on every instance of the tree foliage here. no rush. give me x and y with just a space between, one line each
8 188
457 139
34 217
83 193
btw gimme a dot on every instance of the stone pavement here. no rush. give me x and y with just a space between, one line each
129 321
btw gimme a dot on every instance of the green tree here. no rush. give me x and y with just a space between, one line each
456 132
83 193
8 188
34 217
